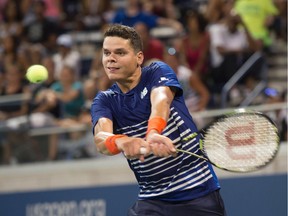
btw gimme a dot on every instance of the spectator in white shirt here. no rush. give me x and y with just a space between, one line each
230 45
66 56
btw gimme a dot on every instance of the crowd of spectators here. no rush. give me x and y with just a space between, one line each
206 49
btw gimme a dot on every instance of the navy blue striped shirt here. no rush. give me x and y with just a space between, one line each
172 178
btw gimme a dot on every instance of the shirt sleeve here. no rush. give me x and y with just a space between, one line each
163 75
100 108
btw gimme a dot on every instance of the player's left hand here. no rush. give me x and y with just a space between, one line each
161 145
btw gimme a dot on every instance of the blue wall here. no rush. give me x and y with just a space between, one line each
254 196
258 196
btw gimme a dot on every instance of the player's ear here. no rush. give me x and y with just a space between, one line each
140 58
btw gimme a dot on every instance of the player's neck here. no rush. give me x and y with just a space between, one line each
129 83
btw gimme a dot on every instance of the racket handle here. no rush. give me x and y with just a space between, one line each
143 151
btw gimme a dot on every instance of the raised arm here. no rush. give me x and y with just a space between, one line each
161 99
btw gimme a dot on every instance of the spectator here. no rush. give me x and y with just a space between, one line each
13 84
9 113
280 117
161 8
258 16
183 6
195 45
57 103
44 109
42 99
196 94
12 20
89 91
69 92
24 56
71 12
97 14
132 14
53 10
230 46
2 5
36 53
152 47
79 144
280 22
38 28
215 10
8 51
29 54
66 55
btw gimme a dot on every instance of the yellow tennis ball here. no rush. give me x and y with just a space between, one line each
36 73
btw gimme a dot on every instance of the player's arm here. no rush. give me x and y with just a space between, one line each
161 99
111 144
102 130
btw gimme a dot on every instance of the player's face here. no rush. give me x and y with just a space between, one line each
119 59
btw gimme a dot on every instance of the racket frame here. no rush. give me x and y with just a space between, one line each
204 130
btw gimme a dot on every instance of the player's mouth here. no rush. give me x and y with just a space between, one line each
112 69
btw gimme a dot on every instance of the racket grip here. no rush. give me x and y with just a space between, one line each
143 151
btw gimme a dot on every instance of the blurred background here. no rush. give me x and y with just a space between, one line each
226 54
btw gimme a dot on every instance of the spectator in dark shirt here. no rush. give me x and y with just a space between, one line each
40 29
13 84
9 113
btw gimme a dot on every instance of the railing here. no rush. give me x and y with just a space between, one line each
202 114
260 108
71 146
15 98
238 75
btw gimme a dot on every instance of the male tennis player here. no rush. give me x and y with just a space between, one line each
145 109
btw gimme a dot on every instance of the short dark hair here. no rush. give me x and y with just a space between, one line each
125 32
202 21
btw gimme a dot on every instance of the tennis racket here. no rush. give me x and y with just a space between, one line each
241 141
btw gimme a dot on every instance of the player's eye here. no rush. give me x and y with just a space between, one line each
106 53
121 53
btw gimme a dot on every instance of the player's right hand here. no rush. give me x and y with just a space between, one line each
161 145
131 147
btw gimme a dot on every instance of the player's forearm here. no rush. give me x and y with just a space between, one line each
112 144
161 99
102 130
161 109
100 139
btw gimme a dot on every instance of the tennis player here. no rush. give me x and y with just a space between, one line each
145 109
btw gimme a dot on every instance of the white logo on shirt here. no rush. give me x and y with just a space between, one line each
144 92
163 79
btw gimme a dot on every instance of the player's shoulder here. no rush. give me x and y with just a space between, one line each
107 93
155 65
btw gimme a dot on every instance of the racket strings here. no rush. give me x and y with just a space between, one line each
241 142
